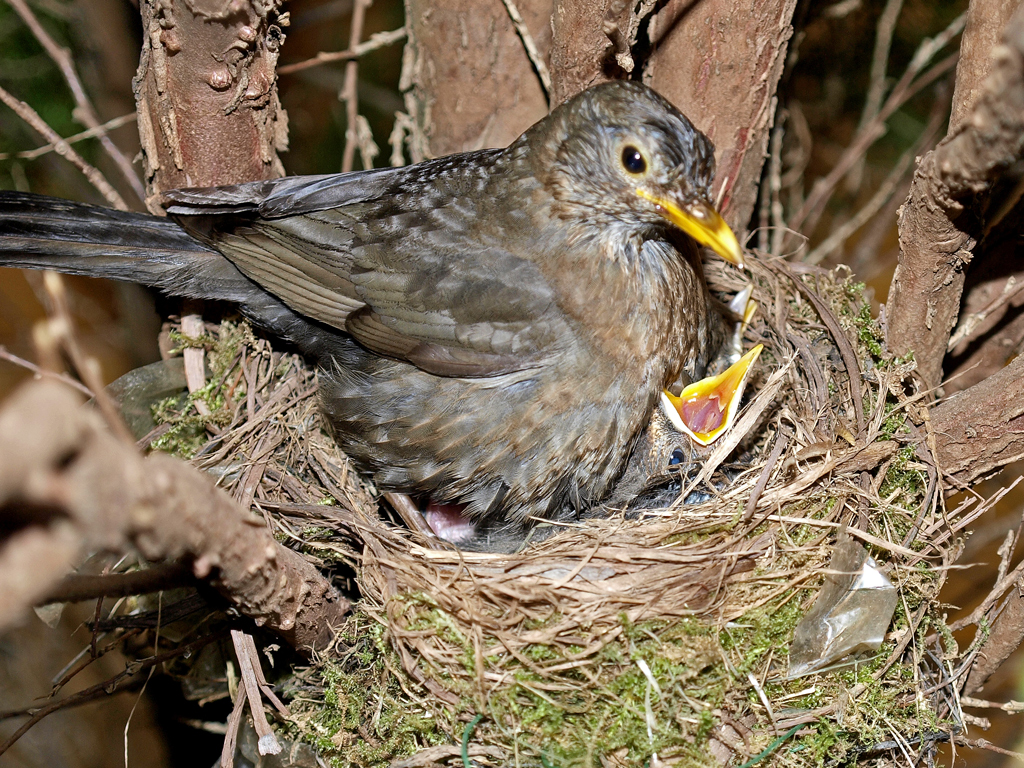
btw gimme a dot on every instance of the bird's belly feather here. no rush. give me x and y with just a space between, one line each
533 442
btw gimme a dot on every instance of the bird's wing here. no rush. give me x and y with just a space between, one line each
295 195
453 307
403 271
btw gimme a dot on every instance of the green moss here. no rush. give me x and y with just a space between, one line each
187 427
364 717
869 330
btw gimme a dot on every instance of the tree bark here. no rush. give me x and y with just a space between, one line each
938 226
67 486
469 82
720 62
981 430
206 94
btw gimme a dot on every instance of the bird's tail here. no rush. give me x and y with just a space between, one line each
38 232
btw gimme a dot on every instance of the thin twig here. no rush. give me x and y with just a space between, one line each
531 47
879 66
92 133
809 213
248 664
61 329
964 331
84 111
349 92
985 744
885 192
781 443
377 40
77 587
108 687
1013 707
10 357
61 147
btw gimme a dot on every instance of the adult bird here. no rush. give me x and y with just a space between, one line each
492 329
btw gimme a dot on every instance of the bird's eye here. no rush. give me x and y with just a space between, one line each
633 160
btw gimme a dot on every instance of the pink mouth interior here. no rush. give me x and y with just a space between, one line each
449 522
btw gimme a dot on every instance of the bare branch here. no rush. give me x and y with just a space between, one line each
61 147
530 46
981 429
377 41
986 20
74 487
78 587
206 94
349 92
1007 632
92 133
909 85
876 84
84 111
936 242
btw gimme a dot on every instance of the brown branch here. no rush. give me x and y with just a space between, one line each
73 487
377 40
28 365
884 31
1007 632
78 587
206 93
92 133
122 681
720 61
936 237
806 217
349 91
986 21
981 429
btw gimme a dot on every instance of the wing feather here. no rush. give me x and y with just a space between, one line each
394 257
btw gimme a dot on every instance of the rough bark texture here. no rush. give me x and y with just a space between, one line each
581 48
470 83
937 225
993 338
986 20
67 486
980 430
720 62
1006 634
206 93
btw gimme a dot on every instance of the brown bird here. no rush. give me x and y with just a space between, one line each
493 328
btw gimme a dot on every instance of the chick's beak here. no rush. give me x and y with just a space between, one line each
707 408
701 222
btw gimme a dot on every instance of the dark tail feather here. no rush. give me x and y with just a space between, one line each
38 232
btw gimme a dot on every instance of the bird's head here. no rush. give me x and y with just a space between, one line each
622 153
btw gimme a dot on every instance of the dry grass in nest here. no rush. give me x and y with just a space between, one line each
655 631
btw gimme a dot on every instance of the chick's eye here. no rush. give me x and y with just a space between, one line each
633 160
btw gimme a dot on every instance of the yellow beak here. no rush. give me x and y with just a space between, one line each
701 222
706 408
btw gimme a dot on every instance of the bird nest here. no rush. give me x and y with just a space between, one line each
651 635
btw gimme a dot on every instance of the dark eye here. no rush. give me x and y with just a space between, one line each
632 160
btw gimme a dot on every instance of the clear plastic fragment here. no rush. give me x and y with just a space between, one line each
849 617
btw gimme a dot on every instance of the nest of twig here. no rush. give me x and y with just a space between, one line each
649 635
